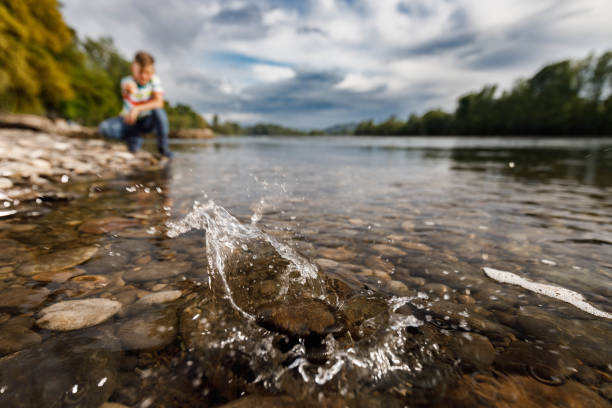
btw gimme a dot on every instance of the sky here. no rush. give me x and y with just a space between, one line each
315 63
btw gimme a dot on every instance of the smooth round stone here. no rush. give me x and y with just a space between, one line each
77 314
465 299
437 288
375 262
381 275
326 263
22 298
107 224
14 337
414 281
416 246
149 331
300 318
58 276
156 271
387 250
57 261
261 401
408 226
23 227
398 287
113 405
606 391
473 349
160 297
337 254
5 183
90 282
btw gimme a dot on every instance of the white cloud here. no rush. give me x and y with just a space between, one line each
360 83
272 73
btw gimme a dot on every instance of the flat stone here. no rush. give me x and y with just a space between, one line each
22 299
262 402
152 330
408 226
160 297
326 263
77 314
156 271
416 246
300 318
473 349
14 337
57 261
107 224
387 250
337 254
58 276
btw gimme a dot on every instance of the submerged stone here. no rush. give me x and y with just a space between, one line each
77 369
152 330
57 261
77 314
22 299
15 337
107 224
156 271
301 318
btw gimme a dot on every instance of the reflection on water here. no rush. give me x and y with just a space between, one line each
327 271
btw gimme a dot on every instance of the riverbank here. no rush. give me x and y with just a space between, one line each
38 156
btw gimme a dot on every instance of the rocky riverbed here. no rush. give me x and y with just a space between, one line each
106 299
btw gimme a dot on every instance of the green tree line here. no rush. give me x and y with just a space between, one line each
563 98
46 69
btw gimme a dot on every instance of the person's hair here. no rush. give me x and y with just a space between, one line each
144 59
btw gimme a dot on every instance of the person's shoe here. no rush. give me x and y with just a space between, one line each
167 154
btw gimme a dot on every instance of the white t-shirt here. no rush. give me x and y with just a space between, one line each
144 93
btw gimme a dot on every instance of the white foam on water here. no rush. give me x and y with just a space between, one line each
555 292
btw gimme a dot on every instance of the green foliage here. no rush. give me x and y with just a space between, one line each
183 117
32 36
46 69
564 98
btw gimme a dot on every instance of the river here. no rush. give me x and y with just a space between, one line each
320 271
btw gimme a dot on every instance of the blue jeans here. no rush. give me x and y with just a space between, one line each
156 121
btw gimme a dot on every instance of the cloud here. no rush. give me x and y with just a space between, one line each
313 63
272 73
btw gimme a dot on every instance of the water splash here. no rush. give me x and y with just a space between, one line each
373 359
225 235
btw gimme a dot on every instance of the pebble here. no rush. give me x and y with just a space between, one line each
148 331
57 261
156 271
77 314
58 276
326 263
474 350
22 299
300 318
106 224
160 297
15 337
337 254
5 183
417 246
387 250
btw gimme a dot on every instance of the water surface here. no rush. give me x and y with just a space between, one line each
386 235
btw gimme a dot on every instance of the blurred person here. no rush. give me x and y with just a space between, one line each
143 108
